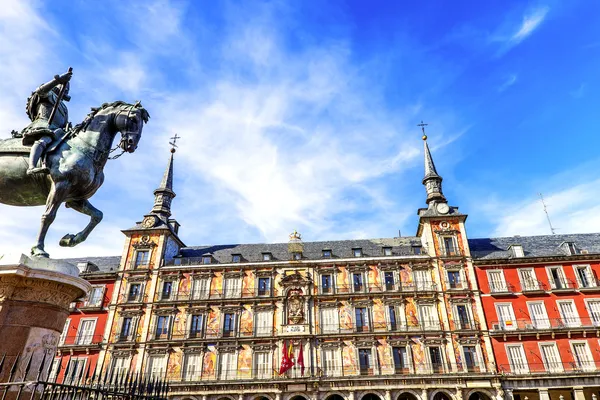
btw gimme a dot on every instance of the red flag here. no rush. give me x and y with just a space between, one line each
286 362
301 360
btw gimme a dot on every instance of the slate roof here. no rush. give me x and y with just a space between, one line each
534 246
311 250
104 264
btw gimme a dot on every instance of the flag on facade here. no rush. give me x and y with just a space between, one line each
286 361
301 360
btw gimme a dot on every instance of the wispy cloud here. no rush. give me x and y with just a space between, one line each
511 33
580 91
509 81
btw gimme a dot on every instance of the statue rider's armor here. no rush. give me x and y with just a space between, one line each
39 133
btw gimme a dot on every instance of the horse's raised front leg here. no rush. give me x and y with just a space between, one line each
54 200
84 207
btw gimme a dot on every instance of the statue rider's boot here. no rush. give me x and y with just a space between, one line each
36 153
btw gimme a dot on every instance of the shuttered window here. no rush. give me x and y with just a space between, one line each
329 320
193 367
264 323
517 359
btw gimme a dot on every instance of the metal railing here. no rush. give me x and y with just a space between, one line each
27 377
498 288
562 284
340 328
527 324
533 285
81 340
457 285
548 368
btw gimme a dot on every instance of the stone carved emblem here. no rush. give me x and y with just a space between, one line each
295 307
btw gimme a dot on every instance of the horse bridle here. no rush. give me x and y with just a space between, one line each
127 119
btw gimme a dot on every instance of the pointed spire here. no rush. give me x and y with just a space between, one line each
164 194
432 181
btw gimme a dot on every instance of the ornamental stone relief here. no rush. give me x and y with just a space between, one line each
37 290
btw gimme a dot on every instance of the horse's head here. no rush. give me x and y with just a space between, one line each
130 122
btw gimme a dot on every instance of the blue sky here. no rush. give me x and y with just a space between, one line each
302 115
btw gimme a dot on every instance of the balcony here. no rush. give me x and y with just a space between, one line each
380 327
502 289
533 286
562 285
466 326
521 326
554 368
456 285
81 341
124 337
590 285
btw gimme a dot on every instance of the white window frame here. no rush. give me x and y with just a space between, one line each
85 338
159 370
468 307
170 320
192 374
269 287
534 285
492 283
573 321
89 302
445 251
508 325
462 277
589 274
263 370
65 331
335 362
331 287
54 369
197 288
120 369
72 377
188 329
561 273
478 358
135 258
357 252
586 365
387 251
228 368
395 277
442 349
551 366
235 291
517 369
265 327
422 284
517 250
363 280
139 296
400 316
332 326
594 317
433 323
543 323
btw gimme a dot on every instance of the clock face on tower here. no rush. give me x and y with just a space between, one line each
149 221
443 208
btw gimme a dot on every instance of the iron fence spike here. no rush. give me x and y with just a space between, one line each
2 362
14 367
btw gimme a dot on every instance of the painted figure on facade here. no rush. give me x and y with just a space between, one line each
295 307
74 158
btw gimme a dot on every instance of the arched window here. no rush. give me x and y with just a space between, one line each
407 396
371 396
479 396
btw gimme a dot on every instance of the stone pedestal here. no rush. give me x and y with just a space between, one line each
34 305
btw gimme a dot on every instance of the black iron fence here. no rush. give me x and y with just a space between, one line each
29 376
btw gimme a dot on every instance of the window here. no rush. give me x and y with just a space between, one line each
266 256
329 320
156 367
387 251
264 286
228 366
120 366
229 324
163 323
506 316
192 367
141 258
568 313
429 317
362 319
236 258
584 276
470 357
326 283
393 318
264 323
583 356
357 252
54 370
206 260
75 368
85 334
388 278
435 357
517 359
326 253
454 280
517 250
557 278
65 330
571 248
528 279
166 290
196 325
449 246
357 280
462 317
232 287
365 358
126 330
297 256
550 357
200 288
332 362
135 290
496 280
95 297
417 250
593 307
401 363
539 316
422 279
262 365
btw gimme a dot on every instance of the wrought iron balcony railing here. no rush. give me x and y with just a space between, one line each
502 288
555 324
80 340
550 368
533 285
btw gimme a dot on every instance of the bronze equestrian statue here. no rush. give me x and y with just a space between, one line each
74 157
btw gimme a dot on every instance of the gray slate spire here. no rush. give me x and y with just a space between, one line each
164 194
432 181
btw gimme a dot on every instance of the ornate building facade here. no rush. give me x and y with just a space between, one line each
391 319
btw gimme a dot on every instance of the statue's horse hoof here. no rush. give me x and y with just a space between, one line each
67 241
37 252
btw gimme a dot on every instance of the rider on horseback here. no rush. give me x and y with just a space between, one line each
49 117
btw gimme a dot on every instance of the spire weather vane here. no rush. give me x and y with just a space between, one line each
552 229
173 143
423 125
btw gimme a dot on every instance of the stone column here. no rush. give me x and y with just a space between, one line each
578 393
34 305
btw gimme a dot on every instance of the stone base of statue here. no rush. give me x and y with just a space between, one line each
35 295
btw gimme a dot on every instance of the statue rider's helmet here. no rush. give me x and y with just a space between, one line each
66 97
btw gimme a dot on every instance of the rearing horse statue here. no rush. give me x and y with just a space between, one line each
76 168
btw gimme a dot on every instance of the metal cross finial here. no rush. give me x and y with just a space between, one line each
173 143
423 125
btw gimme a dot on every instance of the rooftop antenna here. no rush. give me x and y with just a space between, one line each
547 215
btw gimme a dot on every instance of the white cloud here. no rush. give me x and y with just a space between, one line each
530 22
509 81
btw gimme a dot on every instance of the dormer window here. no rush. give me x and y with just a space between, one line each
297 256
517 250
206 259
417 250
357 252
267 256
571 248
387 251
326 253
236 258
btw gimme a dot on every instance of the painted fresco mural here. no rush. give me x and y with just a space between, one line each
216 285
379 322
210 364
174 365
374 280
346 319
349 361
247 321
418 353
385 355
248 286
412 319
213 322
343 281
245 362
